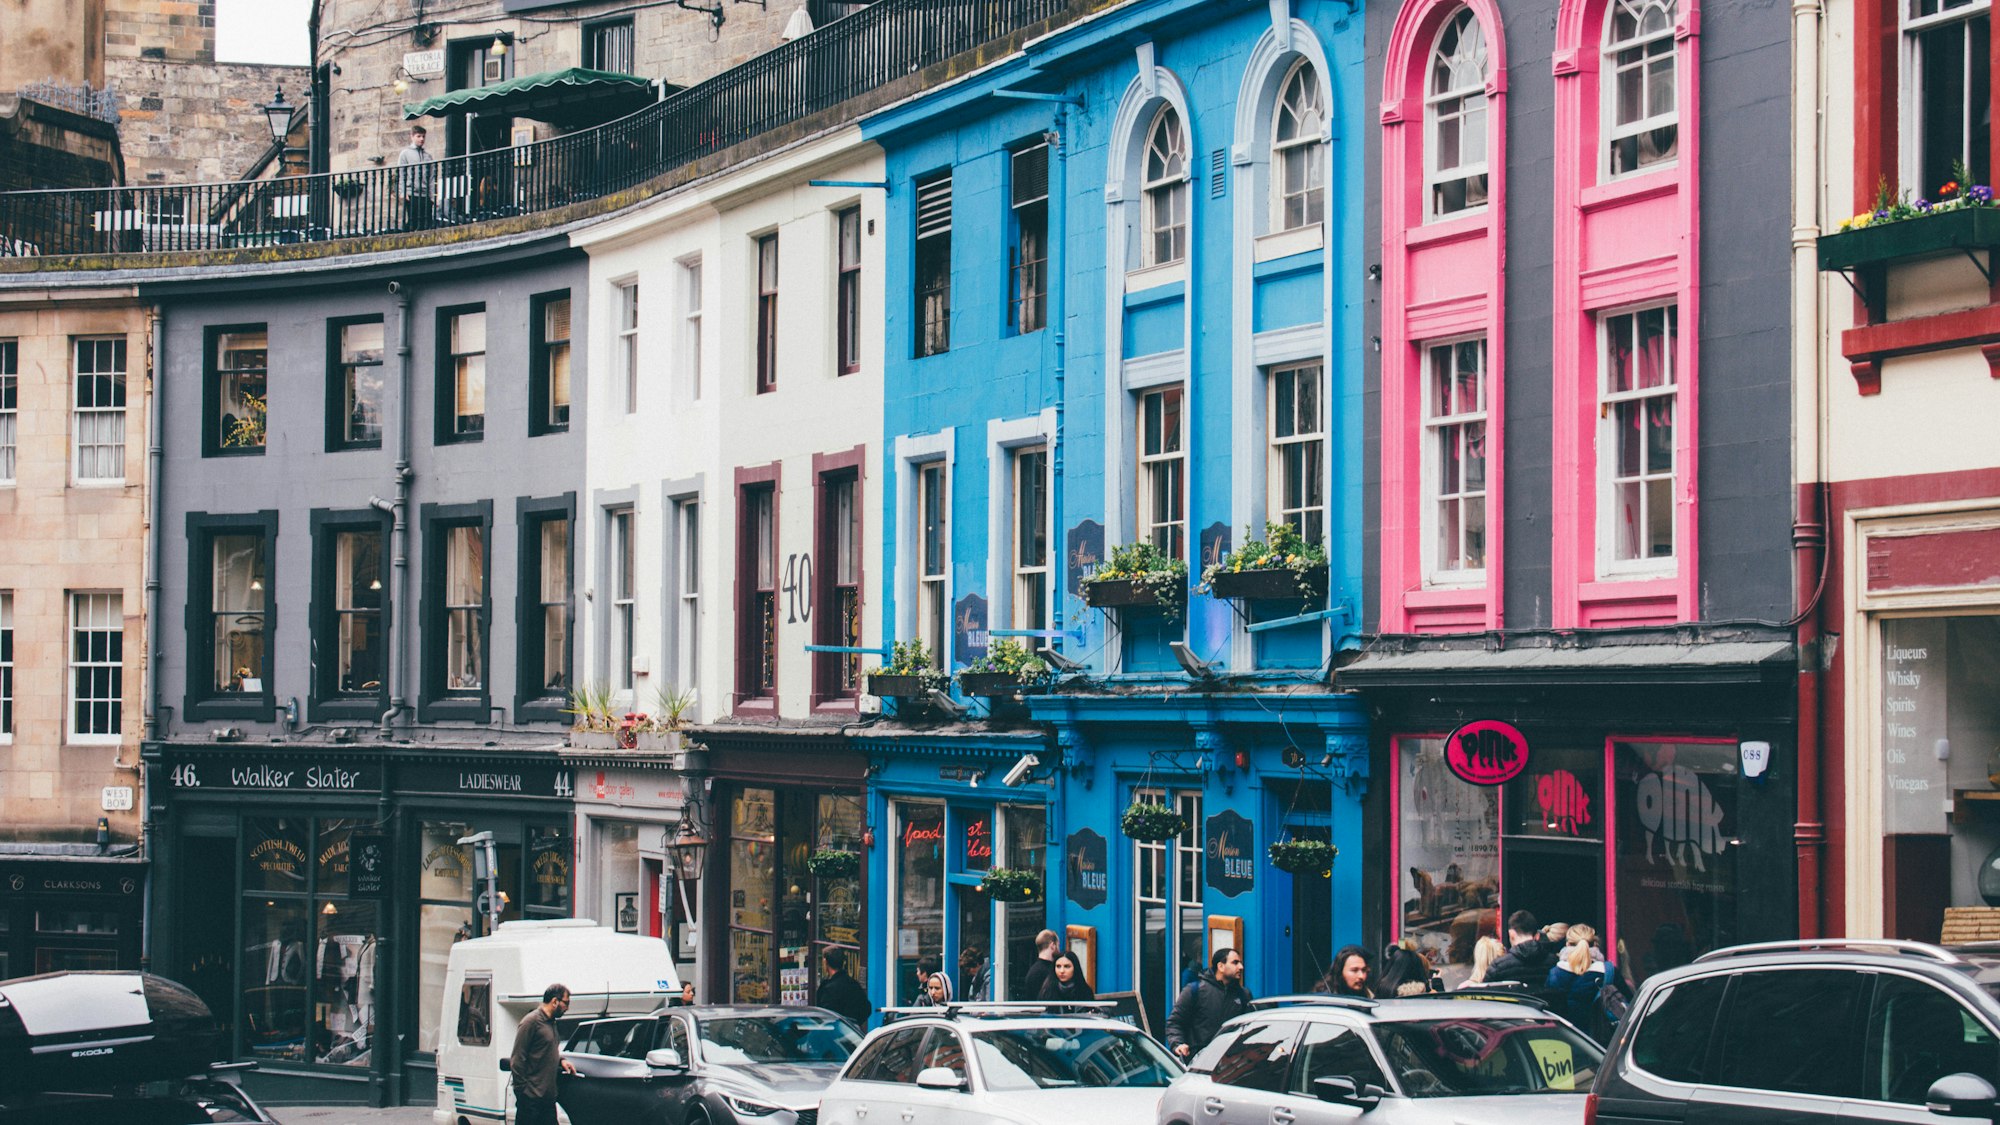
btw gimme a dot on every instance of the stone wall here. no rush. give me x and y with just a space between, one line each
41 147
168 30
197 122
56 39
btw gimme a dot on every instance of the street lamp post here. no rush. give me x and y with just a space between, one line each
687 855
278 115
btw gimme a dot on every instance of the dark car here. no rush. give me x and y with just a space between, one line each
1810 1031
705 1065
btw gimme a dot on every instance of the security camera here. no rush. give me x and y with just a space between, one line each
947 704
1059 661
1190 663
1019 773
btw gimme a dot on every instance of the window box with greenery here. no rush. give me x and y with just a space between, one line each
1304 857
1007 884
910 673
1152 823
1279 567
1961 218
600 725
1006 669
1138 576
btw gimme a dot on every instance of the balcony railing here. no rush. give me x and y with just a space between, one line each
849 57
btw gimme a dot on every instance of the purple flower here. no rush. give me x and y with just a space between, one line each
1923 205
1981 193
1882 214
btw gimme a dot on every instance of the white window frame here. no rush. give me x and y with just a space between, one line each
10 409
1165 189
6 667
1648 44
555 361
933 585
1166 468
621 530
1028 578
1175 877
687 591
467 365
625 343
1910 103
1463 99
1435 426
691 303
96 412
1313 373
1608 479
1308 146
472 614
94 611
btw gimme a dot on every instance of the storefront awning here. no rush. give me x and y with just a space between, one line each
570 98
1720 662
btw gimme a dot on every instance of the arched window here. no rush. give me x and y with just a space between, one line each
1298 151
1455 118
1642 126
1166 189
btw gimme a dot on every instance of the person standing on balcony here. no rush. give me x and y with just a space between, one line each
414 176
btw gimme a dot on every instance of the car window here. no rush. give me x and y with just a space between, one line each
892 1058
807 1037
475 1012
606 1037
1473 1056
1205 1059
1259 1058
1331 1050
1792 1030
945 1049
1676 1032
1917 1034
673 1034
1058 1058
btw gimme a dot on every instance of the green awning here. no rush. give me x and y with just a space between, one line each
573 97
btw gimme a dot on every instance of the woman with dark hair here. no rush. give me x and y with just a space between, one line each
1352 974
1066 980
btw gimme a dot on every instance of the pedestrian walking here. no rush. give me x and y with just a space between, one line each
842 994
1066 980
1039 971
1204 1006
1351 974
937 989
1529 957
1484 952
1404 971
537 1061
416 172
975 973
1577 979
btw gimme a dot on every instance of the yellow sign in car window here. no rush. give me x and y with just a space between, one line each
1558 1063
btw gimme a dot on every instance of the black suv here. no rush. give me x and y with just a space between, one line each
1810 1031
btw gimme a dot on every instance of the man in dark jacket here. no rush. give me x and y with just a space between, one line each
1042 969
842 994
1211 1001
1529 955
537 1060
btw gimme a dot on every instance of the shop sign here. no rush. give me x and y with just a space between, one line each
1486 752
1563 801
969 627
979 842
288 772
1679 815
490 779
279 856
369 871
1916 746
1229 853
121 880
1087 879
1083 546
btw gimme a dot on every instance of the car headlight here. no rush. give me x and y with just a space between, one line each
747 1107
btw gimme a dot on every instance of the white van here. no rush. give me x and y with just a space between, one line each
490 983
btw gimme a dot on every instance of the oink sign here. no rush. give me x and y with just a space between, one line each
1486 752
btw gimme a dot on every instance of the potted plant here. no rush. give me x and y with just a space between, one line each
1008 884
1961 216
834 863
1304 857
1006 668
1138 575
1151 822
662 729
1279 567
594 727
909 674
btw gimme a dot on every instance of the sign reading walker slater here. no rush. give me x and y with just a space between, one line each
489 778
1086 871
290 771
1229 853
368 867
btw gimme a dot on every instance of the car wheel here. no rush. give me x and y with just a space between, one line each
697 1116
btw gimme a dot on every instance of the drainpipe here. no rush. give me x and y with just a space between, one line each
155 503
1059 323
399 669
1809 524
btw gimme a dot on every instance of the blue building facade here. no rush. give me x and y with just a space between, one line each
1125 308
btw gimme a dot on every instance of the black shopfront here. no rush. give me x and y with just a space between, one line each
60 913
312 895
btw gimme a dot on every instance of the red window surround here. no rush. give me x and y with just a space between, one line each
828 622
1439 280
756 601
1619 243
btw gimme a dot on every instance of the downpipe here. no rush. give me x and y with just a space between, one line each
399 510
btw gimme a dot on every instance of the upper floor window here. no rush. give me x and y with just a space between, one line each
237 389
1298 143
1165 184
691 325
687 593
767 314
608 46
933 280
356 396
543 651
1455 118
459 579
1455 459
350 638
239 599
627 347
1029 558
98 435
10 405
1028 310
548 386
462 378
1636 451
1297 471
1642 126
624 579
847 313
1163 471
1947 92
838 620
6 665
96 667
757 579
934 558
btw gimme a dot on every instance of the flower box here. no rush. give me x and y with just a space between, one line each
1969 228
990 683
593 740
1272 585
892 686
1129 593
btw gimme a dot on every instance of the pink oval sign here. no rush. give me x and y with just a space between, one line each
1486 752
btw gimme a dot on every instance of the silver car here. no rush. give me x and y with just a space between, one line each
1440 1059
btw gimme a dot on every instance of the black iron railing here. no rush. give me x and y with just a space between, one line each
875 45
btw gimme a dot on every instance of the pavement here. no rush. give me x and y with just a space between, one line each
350 1115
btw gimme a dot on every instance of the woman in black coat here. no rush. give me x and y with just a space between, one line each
1066 980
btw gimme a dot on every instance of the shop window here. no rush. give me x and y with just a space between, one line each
1165 190
767 314
1028 257
236 388
1455 170
277 971
1298 151
544 606
839 909
934 560
1947 92
1163 471
686 586
1448 857
1636 466
1552 836
847 285
626 346
607 46
1455 419
1297 472
757 586
753 873
1168 906
96 667
837 614
691 325
549 363
1642 122
355 394
551 859
231 596
444 917
10 408
1029 554
309 952
456 600
1023 839
1677 852
972 854
933 265
918 874
6 667
98 422
461 374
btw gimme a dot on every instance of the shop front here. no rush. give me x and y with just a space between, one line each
963 858
770 801
1654 804
66 912
311 896
628 807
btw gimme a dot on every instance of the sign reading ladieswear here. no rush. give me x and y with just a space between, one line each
1486 752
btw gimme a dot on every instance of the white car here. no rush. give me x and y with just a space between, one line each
1001 1065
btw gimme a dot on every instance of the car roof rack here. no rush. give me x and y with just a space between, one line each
1922 949
1323 999
1001 1009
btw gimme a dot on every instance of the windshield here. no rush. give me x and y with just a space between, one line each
1059 1058
754 1040
1459 1058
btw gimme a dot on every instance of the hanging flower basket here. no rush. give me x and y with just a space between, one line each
1304 857
1007 884
1144 820
833 863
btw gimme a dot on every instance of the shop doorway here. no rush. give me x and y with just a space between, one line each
1305 809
